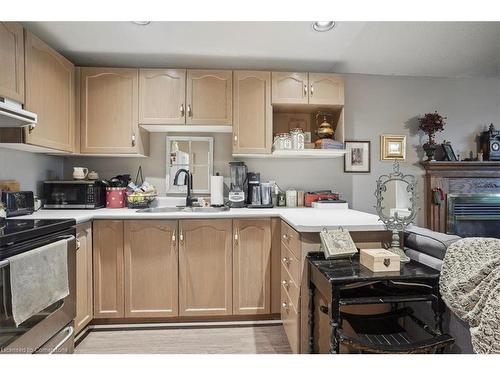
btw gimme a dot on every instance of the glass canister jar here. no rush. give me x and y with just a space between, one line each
282 141
297 135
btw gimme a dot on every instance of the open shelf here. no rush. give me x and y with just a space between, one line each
297 154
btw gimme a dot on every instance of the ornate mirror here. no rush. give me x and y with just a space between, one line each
396 204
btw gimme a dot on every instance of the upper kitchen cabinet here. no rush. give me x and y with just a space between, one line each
308 88
162 94
290 88
326 89
252 127
209 97
50 80
109 119
12 61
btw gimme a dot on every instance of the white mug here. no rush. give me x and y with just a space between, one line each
79 173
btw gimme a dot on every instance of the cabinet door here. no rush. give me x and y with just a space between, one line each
253 114
12 61
50 82
108 269
205 267
161 96
109 104
209 97
84 305
252 266
327 89
151 262
290 88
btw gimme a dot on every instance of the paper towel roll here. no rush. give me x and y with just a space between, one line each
216 190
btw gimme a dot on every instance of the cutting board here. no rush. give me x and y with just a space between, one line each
9 185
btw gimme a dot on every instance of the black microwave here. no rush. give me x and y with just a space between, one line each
79 194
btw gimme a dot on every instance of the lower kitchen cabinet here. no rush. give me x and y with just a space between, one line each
84 305
205 267
151 268
251 266
108 269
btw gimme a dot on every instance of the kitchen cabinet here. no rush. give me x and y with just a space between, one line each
251 266
290 88
12 61
50 80
252 125
307 88
109 112
151 265
209 97
205 267
108 269
326 89
162 94
84 304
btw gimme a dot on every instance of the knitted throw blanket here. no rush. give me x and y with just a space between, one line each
470 286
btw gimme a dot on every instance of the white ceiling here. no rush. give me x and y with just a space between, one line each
440 49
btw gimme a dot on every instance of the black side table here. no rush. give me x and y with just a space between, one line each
347 282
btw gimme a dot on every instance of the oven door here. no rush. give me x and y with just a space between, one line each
65 194
42 327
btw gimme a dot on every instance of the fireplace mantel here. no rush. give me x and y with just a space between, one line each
480 176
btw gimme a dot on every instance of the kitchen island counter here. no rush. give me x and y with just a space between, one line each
301 219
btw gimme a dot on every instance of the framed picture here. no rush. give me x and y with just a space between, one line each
357 157
392 147
448 152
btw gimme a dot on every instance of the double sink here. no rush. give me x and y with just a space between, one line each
183 209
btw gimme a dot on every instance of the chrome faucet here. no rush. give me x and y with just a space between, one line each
189 177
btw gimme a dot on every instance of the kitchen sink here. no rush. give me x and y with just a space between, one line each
183 209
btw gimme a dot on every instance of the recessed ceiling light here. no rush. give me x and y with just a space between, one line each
322 26
141 23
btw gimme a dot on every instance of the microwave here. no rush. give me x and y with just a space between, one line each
74 194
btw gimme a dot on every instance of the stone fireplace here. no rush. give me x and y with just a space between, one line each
471 198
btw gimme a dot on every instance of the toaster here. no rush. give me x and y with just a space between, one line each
18 203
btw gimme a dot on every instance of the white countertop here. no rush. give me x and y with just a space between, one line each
301 219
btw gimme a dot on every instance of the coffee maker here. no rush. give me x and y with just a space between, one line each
254 196
238 172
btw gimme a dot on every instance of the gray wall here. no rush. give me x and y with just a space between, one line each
375 105
29 169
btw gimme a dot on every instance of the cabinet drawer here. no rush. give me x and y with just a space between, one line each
290 286
290 320
290 263
290 238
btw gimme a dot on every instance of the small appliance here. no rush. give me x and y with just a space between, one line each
18 203
253 181
79 194
238 172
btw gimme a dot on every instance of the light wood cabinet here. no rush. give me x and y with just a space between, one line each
251 266
326 89
12 61
290 88
84 304
209 97
162 94
109 105
108 269
252 125
151 265
205 267
50 80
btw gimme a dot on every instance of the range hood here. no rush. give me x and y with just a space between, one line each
12 115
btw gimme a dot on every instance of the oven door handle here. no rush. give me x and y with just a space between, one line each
64 340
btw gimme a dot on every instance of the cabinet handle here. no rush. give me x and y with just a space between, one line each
236 236
31 128
181 236
305 89
77 244
190 112
285 306
285 284
133 139
182 110
285 237
286 260
173 236
235 139
312 90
